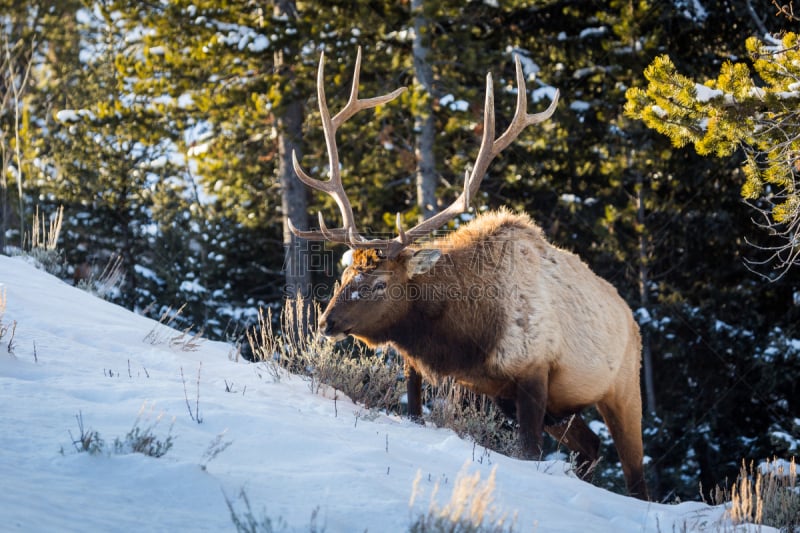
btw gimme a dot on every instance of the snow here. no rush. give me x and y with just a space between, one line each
692 10
529 67
259 44
704 94
659 111
455 105
405 35
198 149
580 106
593 32
289 450
192 286
68 116
546 93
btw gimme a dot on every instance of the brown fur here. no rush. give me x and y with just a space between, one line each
509 315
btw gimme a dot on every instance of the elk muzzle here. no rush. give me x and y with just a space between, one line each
329 329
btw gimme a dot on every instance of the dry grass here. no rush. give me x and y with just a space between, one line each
108 282
44 234
369 378
372 378
767 495
470 508
164 333
42 243
6 329
138 440
471 415
3 301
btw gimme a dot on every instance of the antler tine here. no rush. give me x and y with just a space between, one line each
521 118
354 105
348 233
488 150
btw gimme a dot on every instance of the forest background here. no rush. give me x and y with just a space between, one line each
165 130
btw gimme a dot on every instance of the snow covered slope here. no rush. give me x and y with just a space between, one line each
290 451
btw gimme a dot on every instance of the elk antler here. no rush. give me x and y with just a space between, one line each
348 233
486 153
489 149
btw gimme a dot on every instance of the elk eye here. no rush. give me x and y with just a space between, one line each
379 286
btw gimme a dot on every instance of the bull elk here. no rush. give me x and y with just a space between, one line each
493 304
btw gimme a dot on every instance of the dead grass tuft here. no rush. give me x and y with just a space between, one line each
470 508
369 378
766 495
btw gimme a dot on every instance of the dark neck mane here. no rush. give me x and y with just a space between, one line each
450 336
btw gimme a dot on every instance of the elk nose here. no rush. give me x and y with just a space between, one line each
325 325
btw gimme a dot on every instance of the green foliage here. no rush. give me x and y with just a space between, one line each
733 112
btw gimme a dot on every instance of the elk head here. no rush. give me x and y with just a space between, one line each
374 288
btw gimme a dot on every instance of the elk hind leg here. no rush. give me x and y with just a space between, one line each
578 437
623 416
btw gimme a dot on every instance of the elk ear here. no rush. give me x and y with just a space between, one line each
422 261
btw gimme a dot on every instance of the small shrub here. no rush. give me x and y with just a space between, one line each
3 300
216 447
88 441
143 441
138 440
469 510
768 495
108 283
472 415
246 521
6 329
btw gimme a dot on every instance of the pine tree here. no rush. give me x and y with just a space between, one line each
109 166
37 50
731 113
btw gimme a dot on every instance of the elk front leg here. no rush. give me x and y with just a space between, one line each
531 408
414 392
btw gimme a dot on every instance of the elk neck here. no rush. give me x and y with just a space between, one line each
444 323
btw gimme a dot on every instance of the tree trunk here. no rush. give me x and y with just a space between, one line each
294 202
424 124
644 300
